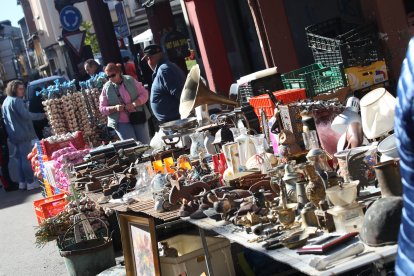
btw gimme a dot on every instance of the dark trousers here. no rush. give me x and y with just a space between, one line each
4 162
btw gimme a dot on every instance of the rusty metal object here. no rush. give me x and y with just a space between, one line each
286 216
187 192
389 178
93 186
263 184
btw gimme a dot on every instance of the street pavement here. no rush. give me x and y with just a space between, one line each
18 252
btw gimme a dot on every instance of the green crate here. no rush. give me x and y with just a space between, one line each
325 80
294 79
317 81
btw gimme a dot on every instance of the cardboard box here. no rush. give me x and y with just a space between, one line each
360 77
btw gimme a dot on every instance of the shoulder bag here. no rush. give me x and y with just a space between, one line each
136 117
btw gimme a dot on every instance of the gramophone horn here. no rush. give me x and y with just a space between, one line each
195 93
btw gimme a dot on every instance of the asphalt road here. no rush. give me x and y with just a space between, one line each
18 252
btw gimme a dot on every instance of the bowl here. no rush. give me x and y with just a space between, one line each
388 148
296 240
344 194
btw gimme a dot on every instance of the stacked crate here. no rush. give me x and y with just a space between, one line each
357 47
316 79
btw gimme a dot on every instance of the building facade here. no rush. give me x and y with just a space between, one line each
13 64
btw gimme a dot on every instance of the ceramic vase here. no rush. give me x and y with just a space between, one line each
231 152
197 144
246 146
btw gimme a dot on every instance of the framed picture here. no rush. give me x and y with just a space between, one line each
139 245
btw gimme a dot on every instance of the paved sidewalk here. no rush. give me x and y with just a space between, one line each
18 252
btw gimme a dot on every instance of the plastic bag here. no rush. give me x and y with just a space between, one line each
156 141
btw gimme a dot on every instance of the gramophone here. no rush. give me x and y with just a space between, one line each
196 93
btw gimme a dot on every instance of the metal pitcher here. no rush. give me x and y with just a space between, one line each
389 178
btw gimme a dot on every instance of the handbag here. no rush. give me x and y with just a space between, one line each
136 117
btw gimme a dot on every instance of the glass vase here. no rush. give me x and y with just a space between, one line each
260 144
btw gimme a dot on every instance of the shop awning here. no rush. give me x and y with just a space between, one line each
143 37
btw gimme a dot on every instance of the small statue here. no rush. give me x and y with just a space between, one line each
287 144
315 190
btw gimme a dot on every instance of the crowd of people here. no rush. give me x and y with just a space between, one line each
123 100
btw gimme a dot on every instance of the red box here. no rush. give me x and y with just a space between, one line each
49 207
48 149
286 96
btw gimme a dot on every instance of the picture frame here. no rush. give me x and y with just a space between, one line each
139 245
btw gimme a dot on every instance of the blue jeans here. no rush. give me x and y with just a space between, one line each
137 132
20 168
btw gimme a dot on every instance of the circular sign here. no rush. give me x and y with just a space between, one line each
70 18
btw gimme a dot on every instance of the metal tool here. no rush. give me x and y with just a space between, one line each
351 250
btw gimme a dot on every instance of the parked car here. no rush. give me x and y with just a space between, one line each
35 101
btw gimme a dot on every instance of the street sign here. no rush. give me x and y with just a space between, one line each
123 26
75 41
70 18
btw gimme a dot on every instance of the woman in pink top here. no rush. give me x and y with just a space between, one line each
122 95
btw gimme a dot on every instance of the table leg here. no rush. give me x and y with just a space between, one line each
206 253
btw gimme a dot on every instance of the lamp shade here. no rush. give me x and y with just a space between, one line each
348 116
377 113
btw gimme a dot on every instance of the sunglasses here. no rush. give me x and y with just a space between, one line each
110 76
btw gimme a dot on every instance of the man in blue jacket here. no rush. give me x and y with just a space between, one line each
168 82
404 130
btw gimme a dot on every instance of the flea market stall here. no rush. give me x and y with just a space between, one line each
300 166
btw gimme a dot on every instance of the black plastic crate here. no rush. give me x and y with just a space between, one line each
361 52
326 35
336 41
259 87
328 58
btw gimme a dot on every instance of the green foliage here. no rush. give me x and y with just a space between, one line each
90 38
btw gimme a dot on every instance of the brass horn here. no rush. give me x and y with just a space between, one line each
195 93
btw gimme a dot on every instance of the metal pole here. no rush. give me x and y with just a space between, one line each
206 252
104 30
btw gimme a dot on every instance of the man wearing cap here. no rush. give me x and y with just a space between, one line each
168 82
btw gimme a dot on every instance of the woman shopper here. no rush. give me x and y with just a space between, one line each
123 100
20 131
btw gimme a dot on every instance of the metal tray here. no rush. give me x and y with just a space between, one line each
179 125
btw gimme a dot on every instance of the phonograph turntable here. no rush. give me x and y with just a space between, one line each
176 131
196 96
